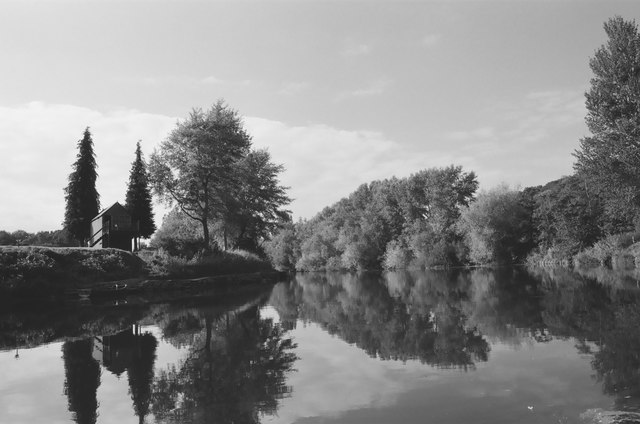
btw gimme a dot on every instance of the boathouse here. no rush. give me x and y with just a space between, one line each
113 227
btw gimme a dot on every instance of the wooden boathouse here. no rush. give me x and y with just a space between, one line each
113 227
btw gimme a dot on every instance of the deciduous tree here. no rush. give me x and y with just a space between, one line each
195 165
255 210
610 158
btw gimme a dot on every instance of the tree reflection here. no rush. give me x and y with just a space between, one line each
127 351
140 373
392 318
605 321
618 361
82 378
235 371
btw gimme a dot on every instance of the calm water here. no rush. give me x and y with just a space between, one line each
511 346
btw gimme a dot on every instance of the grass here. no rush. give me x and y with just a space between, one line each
162 264
31 269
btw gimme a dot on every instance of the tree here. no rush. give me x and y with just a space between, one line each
138 199
610 158
255 211
7 239
194 166
82 198
283 249
497 226
566 216
82 378
140 374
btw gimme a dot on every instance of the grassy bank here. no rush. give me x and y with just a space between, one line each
163 265
27 271
31 270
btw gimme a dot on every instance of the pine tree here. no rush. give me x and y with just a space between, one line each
82 198
138 200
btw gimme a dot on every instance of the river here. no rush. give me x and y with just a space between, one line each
468 346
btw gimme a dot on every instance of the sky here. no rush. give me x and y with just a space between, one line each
340 92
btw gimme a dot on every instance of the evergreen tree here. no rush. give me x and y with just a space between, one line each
610 158
82 378
138 200
82 198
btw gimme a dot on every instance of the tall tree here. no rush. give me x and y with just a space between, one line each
82 198
255 210
138 200
194 166
610 157
82 378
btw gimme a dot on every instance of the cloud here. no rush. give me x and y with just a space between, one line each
39 145
294 88
353 49
212 80
431 40
322 163
374 88
528 141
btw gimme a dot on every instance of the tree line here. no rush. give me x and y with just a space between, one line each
225 194
436 218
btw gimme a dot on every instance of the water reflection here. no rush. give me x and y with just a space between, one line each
127 351
450 319
400 316
82 378
231 362
235 371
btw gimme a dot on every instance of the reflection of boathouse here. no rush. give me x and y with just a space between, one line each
115 352
113 227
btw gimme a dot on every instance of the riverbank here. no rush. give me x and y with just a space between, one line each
53 272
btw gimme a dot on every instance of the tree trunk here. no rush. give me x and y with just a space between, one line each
205 229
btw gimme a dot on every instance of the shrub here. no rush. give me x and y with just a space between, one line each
396 256
162 263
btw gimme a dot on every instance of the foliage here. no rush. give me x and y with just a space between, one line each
608 159
60 238
495 226
567 216
163 264
283 249
7 239
415 214
396 255
254 212
609 251
235 371
82 198
178 235
138 197
195 165
41 271
206 167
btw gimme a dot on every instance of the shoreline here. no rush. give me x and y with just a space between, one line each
51 273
